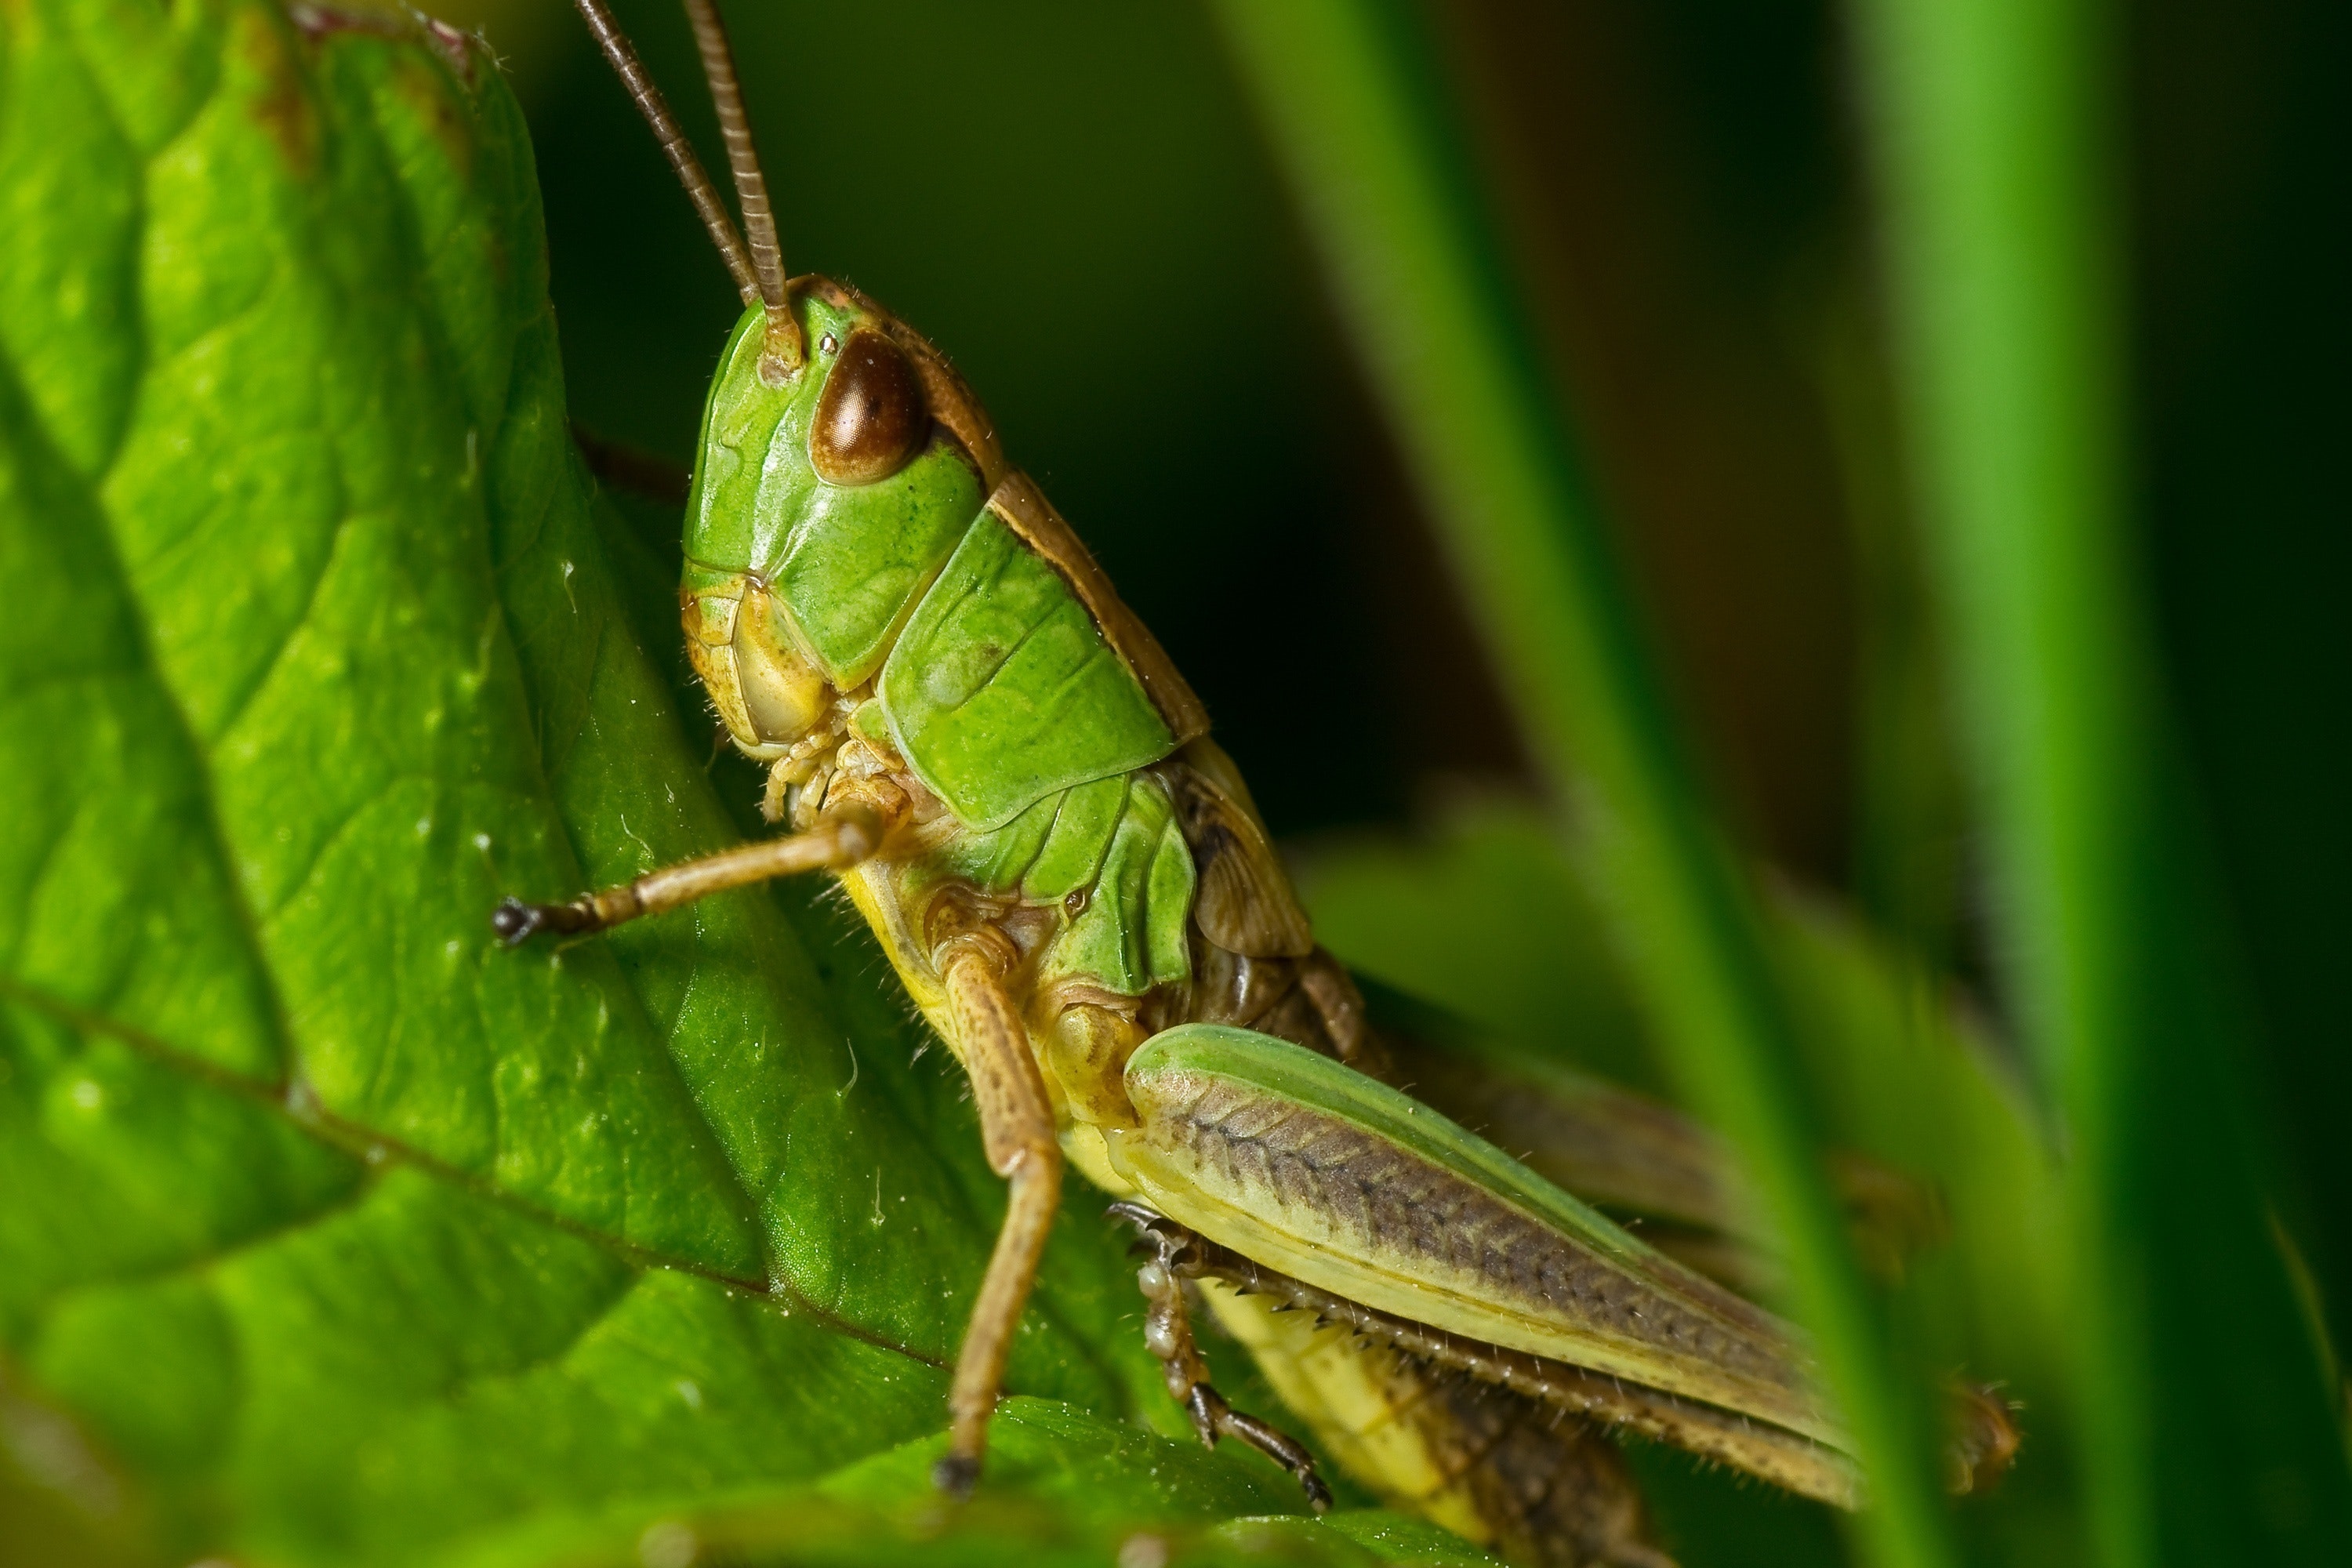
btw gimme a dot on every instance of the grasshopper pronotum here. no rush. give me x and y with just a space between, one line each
962 722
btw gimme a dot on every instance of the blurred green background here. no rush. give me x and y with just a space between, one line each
1074 201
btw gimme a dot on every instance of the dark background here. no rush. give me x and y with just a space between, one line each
1072 201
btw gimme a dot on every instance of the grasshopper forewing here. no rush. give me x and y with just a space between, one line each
962 722
1326 1174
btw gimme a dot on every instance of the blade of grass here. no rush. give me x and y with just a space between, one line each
2207 1434
1370 154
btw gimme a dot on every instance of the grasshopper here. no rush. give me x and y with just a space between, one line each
962 723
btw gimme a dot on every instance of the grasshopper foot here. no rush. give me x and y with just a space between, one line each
517 923
1168 1332
1213 1418
956 1475
1982 1439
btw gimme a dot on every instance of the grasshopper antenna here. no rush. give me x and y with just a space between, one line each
751 186
680 154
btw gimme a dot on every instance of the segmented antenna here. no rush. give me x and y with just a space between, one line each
751 186
680 154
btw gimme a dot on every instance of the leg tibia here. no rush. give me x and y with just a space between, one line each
1017 1130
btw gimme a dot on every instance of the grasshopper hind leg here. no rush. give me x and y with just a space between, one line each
1168 1334
1553 1487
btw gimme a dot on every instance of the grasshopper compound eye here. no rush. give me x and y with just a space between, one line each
870 417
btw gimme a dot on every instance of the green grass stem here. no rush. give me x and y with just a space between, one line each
2207 1434
1371 156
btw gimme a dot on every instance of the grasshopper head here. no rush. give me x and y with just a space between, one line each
840 456
813 486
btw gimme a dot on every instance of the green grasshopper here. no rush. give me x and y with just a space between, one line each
963 724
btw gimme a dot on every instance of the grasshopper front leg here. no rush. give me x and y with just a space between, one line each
840 838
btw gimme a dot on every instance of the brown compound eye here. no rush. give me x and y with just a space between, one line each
870 416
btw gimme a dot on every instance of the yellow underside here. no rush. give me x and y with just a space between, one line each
1081 1144
867 890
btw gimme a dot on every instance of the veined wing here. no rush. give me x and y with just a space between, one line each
1328 1176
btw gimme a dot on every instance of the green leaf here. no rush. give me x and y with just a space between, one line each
333 1233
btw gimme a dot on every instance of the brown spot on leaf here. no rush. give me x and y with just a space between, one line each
431 97
280 101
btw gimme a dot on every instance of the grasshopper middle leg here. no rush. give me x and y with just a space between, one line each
1016 1125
